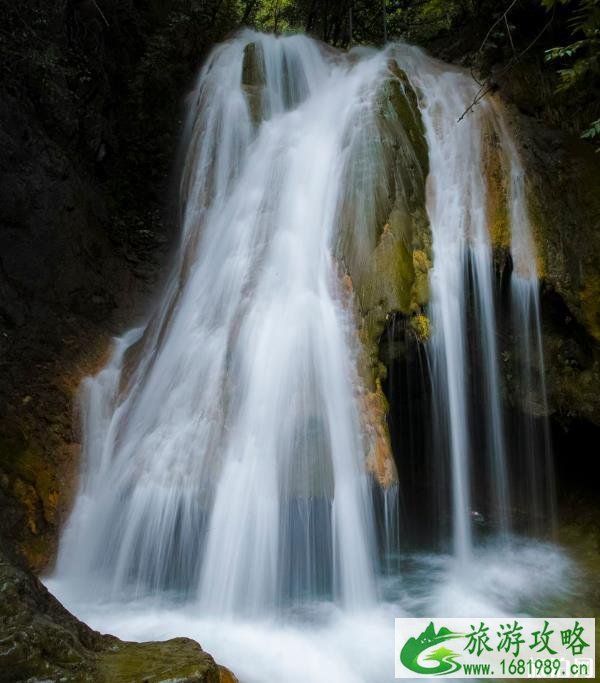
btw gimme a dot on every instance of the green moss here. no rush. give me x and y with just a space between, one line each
420 290
390 275
421 327
390 267
537 219
253 65
589 296
254 79
179 659
402 106
42 641
25 460
372 325
33 485
496 178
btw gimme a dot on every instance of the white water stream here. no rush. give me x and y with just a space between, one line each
224 493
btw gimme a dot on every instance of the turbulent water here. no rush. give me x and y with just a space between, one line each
225 492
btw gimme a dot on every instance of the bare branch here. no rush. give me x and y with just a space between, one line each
493 26
488 85
510 35
100 12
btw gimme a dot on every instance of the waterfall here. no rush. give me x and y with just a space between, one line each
470 421
237 466
456 215
235 448
533 436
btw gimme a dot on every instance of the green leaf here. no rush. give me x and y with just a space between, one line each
593 131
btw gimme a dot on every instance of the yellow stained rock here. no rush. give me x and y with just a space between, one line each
380 461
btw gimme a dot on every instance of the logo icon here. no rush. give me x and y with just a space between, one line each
492 647
429 639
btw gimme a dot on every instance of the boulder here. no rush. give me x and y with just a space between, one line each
41 640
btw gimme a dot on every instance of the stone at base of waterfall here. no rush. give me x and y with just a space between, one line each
41 640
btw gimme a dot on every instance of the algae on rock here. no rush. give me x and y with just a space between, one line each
385 241
40 640
254 80
380 459
562 177
497 182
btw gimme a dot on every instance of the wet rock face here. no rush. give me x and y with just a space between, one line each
385 238
254 80
497 182
563 179
82 244
64 281
54 260
293 84
40 640
563 176
66 285
89 117
56 297
38 636
385 243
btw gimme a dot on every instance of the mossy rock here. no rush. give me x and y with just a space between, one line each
497 181
589 299
421 327
179 659
40 640
25 461
253 65
562 178
564 205
254 79
420 290
31 483
400 94
385 239
390 274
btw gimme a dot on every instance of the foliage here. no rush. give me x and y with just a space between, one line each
271 15
593 131
581 58
421 20
343 22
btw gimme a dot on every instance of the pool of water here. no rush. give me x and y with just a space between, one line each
318 641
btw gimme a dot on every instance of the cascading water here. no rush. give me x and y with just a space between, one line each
226 465
533 436
235 449
457 211
464 351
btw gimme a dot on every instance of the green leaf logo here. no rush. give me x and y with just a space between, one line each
414 648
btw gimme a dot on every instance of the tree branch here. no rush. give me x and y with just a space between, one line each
488 85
